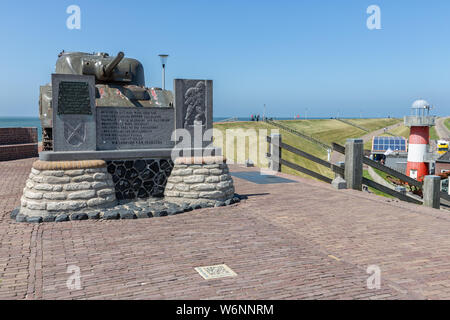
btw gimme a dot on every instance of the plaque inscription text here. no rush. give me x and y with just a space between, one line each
73 98
134 128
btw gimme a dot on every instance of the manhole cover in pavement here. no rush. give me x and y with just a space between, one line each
215 272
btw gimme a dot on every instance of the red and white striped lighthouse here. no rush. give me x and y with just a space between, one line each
419 140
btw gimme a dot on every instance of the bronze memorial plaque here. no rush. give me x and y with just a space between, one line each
73 98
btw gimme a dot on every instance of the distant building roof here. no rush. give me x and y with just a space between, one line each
395 144
445 157
420 104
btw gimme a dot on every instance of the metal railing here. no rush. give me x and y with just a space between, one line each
420 120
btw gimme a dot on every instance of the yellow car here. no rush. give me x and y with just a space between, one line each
442 146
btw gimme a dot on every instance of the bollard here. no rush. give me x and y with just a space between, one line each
275 152
354 152
431 192
338 181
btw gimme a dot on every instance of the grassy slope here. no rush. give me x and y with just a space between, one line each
433 134
327 131
375 124
287 138
403 131
447 123
382 174
332 130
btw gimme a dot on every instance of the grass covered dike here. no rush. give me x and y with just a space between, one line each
325 130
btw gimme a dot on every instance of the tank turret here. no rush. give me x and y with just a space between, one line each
119 81
105 68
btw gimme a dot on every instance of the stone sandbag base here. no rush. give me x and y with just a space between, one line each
79 190
66 187
200 180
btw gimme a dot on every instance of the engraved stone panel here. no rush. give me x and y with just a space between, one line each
74 126
134 128
193 105
75 132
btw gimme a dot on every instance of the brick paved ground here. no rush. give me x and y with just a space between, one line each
289 241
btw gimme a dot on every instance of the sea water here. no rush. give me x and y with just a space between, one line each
18 122
22 123
12 122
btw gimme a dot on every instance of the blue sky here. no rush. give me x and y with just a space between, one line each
315 55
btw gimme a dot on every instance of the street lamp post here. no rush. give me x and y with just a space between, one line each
163 62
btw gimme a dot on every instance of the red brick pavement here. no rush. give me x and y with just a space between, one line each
287 241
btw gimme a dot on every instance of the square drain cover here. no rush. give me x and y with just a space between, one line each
260 178
215 272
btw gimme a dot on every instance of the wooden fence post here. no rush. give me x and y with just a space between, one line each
275 152
431 192
354 153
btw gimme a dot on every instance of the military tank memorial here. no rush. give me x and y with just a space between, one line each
114 148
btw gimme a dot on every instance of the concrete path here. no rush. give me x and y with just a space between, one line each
301 240
441 129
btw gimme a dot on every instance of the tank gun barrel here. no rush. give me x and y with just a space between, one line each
110 67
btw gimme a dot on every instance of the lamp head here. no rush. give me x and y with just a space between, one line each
163 58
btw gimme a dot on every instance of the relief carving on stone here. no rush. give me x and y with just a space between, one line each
194 101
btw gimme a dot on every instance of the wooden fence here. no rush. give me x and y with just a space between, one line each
278 146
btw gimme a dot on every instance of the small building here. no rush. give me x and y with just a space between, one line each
443 163
393 151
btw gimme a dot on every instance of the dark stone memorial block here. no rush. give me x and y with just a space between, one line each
123 128
194 105
74 125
